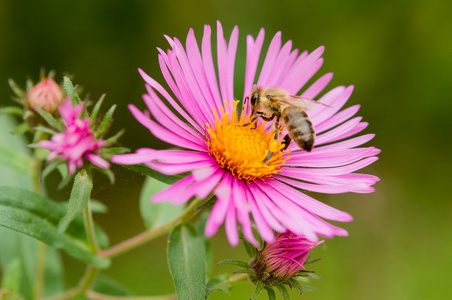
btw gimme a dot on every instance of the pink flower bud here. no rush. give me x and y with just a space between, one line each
284 257
46 95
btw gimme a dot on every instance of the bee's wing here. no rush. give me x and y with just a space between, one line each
298 101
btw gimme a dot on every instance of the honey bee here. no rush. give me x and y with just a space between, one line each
271 102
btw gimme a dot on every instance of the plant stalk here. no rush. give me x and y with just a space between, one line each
153 233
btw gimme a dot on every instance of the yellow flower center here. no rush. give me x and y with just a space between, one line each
243 149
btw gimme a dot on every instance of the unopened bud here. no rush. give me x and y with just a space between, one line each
46 95
283 258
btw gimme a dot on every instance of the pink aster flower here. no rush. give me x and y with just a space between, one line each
229 160
284 257
76 141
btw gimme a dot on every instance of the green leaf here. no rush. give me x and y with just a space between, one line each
81 191
186 259
218 283
257 290
17 245
270 293
103 127
11 276
234 262
54 272
37 216
200 228
15 159
145 170
109 286
50 119
14 110
98 207
156 214
70 90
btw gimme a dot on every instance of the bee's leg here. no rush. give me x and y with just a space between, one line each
286 142
258 114
253 119
269 155
276 129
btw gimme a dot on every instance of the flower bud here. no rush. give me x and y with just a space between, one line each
283 258
46 95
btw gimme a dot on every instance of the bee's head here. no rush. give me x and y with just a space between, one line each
254 99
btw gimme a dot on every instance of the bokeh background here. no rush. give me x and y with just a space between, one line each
398 54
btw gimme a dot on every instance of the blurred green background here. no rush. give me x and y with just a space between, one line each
398 54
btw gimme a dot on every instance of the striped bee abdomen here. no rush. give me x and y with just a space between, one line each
299 127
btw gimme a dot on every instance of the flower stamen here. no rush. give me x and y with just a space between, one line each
243 149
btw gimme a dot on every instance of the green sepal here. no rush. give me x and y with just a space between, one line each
186 259
234 262
208 204
37 216
50 119
107 172
113 151
297 284
145 170
218 283
50 167
282 289
245 271
16 89
65 175
80 194
257 290
14 110
95 111
270 293
105 124
114 138
250 249
70 90
45 129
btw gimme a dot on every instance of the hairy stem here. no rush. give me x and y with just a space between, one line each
153 233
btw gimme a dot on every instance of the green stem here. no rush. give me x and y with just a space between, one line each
98 296
87 279
40 269
89 227
35 166
153 233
